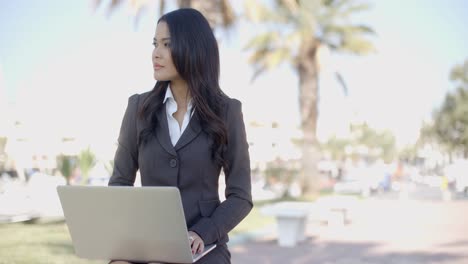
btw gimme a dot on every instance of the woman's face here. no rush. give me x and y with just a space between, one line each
163 67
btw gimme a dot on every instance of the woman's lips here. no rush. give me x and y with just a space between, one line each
157 67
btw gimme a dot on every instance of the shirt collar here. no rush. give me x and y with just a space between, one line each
169 95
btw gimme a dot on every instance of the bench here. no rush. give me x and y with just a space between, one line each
292 217
335 209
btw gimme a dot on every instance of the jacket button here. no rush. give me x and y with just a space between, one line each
173 163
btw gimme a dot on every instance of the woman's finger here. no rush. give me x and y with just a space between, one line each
194 244
201 246
197 246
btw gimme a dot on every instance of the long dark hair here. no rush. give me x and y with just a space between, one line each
195 55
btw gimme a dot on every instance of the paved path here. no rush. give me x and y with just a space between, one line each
396 232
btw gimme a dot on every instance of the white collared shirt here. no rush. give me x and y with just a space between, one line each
175 131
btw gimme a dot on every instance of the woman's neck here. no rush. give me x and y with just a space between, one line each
180 92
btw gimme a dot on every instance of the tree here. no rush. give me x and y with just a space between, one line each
3 142
364 142
217 12
336 147
296 31
451 120
65 165
379 144
86 161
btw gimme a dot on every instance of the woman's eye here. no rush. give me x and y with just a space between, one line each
166 45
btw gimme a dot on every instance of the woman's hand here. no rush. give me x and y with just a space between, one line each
196 242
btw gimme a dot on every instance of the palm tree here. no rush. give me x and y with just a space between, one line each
86 161
65 165
296 31
217 12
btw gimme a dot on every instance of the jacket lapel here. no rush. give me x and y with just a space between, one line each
162 132
190 133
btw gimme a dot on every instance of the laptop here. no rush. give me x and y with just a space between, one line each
142 224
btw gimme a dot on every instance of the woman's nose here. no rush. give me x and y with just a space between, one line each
156 53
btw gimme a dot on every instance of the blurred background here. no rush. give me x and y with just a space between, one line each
362 100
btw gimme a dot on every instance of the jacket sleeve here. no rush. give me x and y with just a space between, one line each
238 201
126 156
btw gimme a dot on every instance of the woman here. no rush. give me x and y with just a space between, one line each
185 130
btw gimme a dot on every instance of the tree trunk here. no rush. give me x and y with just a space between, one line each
308 100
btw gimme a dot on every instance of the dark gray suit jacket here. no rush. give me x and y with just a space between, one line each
188 166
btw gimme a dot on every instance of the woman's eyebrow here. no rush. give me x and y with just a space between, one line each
162 39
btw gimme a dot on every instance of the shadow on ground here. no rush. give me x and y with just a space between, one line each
310 251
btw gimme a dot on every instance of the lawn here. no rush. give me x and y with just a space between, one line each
25 243
37 243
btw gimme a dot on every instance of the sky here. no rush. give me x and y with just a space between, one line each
417 43
66 70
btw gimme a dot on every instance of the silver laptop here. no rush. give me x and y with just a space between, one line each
144 224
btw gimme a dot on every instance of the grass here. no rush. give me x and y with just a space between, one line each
50 243
37 243
24 243
256 220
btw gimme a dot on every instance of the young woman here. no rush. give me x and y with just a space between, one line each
185 130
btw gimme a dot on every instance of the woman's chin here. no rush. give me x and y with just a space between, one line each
158 77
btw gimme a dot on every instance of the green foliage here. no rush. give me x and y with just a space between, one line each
86 161
219 13
292 24
109 166
364 142
451 119
409 153
3 141
295 32
65 165
459 75
280 172
336 147
379 143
